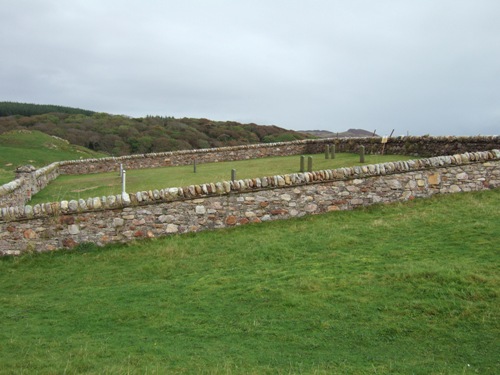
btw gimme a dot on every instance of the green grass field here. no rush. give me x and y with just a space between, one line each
104 184
33 147
407 288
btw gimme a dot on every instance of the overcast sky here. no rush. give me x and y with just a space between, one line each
416 66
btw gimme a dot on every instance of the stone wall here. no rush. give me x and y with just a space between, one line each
417 146
195 208
18 192
28 182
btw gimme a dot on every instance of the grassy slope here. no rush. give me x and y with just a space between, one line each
36 148
97 185
402 288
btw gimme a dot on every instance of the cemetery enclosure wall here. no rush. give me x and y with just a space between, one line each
19 192
27 183
230 203
417 146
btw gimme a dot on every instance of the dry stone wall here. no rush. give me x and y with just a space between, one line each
28 182
19 191
417 146
195 208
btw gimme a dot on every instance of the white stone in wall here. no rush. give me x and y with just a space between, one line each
73 229
126 199
166 218
200 210
172 228
73 205
82 204
97 203
311 207
394 184
219 188
118 222
28 211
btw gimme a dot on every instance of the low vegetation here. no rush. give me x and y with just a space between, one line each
407 288
121 135
104 184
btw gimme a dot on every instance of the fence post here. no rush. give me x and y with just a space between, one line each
302 163
332 154
194 166
327 151
124 178
233 174
361 154
309 163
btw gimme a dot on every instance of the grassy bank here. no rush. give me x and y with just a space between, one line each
400 289
97 185
21 147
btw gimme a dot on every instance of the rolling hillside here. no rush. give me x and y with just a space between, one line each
122 135
20 147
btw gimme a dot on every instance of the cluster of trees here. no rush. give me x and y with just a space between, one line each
28 109
121 135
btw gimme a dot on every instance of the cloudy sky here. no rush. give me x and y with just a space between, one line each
416 66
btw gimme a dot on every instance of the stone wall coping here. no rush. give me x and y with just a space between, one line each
192 192
11 186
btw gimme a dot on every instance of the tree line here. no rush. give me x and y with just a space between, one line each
28 109
121 135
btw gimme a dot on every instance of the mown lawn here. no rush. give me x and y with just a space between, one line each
104 184
407 288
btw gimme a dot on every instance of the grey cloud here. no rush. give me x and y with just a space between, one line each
418 67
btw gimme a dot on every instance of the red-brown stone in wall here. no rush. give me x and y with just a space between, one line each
66 219
231 220
279 211
29 234
69 243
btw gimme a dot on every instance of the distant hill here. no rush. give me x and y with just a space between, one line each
122 135
348 134
28 109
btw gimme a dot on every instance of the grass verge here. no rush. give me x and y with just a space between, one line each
401 288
